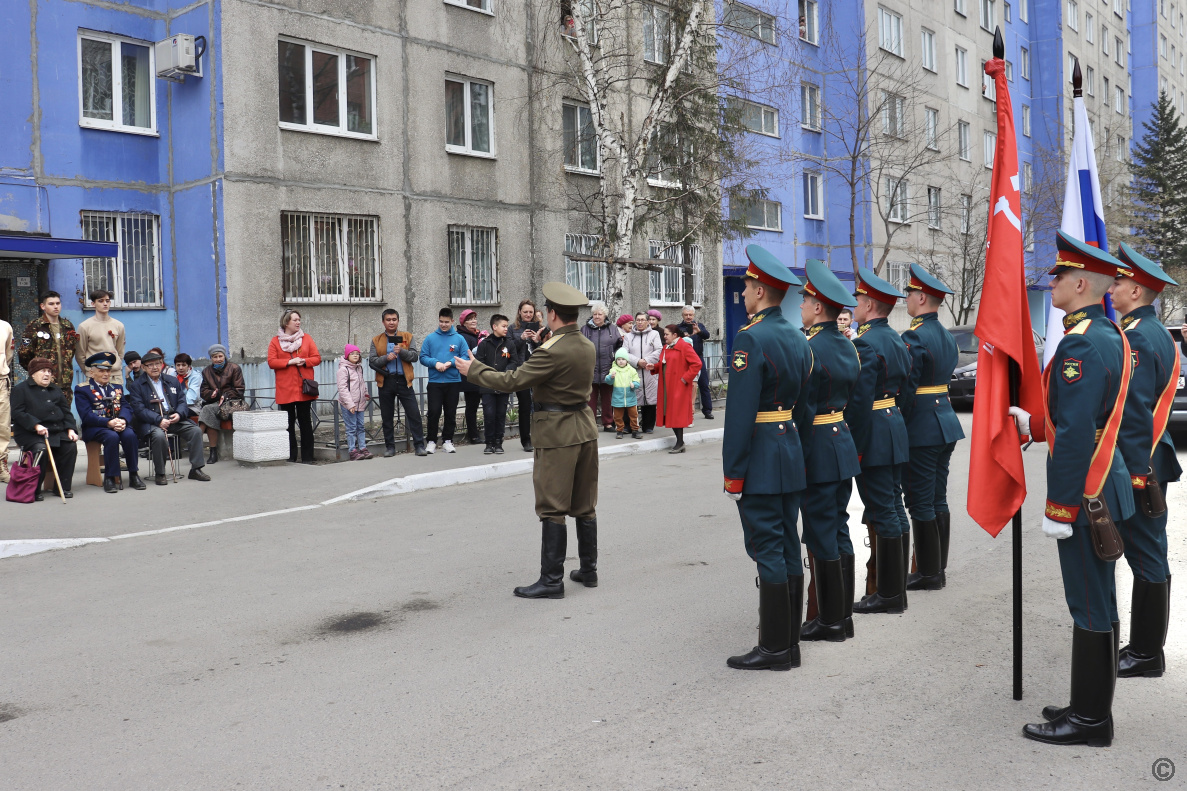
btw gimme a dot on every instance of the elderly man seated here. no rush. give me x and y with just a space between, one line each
158 409
107 419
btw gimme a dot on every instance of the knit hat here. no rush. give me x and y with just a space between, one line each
656 313
217 348
351 349
39 364
131 357
623 320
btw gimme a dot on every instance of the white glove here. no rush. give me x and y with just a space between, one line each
1022 418
735 496
1053 529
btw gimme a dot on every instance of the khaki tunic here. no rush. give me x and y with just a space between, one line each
560 371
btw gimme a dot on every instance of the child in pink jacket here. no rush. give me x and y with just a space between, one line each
352 401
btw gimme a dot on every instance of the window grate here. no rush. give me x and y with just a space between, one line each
588 277
134 275
667 286
330 257
473 266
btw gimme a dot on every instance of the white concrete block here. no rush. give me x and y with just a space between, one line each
261 420
261 436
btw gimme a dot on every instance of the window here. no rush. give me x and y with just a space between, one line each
568 28
1119 99
1007 13
1022 15
663 159
325 90
894 120
928 49
896 199
986 14
962 140
763 215
581 144
962 67
1024 62
473 265
1104 94
657 33
1028 180
476 5
750 22
329 257
966 213
1089 28
1119 149
1009 71
890 32
1090 81
813 196
1073 14
934 209
468 122
931 127
898 274
756 117
1104 39
667 285
959 7
1119 51
588 277
809 22
988 86
1117 8
1026 120
810 106
116 84
989 141
134 275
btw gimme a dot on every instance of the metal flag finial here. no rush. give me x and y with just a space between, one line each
1077 80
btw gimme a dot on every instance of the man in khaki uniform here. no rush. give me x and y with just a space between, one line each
565 474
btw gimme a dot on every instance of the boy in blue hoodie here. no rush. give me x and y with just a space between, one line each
445 383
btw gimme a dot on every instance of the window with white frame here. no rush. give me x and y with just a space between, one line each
750 22
588 277
813 195
1024 62
934 208
1022 14
962 67
473 265
1105 94
1118 51
931 127
581 144
890 31
758 213
666 287
568 28
989 141
1026 120
758 118
1089 28
1119 99
1028 179
1121 149
809 21
898 274
962 140
1073 14
966 213
1071 66
810 106
1009 71
663 159
474 5
1090 81
326 90
959 7
1007 13
988 86
986 14
1117 8
657 33
928 49
1104 39
894 121
116 84
329 257
469 116
896 199
133 276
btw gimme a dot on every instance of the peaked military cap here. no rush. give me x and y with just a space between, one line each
562 295
875 287
821 283
769 270
1073 254
922 280
1144 271
101 360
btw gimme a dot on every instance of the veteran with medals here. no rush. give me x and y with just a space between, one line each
106 418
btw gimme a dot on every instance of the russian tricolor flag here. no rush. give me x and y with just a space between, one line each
1083 212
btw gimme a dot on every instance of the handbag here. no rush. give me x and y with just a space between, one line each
22 480
308 384
230 406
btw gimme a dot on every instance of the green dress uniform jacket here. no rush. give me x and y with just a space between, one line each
1153 352
929 417
829 450
879 434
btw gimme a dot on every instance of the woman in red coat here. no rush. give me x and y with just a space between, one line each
677 372
293 355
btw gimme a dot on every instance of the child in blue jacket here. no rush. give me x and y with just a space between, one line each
625 379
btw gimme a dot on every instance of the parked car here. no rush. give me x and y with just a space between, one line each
1178 419
964 377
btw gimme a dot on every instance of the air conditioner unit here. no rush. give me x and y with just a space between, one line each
179 56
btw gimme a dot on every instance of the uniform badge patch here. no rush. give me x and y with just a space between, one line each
1071 369
1133 355
915 322
862 330
741 360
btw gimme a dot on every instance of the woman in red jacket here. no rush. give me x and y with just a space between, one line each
677 372
293 355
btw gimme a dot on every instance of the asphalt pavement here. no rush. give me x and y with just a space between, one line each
375 644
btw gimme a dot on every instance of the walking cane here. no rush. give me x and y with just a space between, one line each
54 467
168 448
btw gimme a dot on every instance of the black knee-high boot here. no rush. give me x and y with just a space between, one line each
551 585
774 649
1089 718
587 551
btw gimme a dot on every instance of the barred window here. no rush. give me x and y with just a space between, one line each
588 277
667 286
898 274
329 257
473 265
134 275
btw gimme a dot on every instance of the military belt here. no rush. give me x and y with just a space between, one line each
538 407
930 389
884 403
778 416
831 417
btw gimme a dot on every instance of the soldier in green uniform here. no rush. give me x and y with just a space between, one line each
565 436
766 408
932 427
830 455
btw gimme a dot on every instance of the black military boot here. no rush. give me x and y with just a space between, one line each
848 566
829 624
927 555
944 524
1089 720
889 596
551 584
1051 713
1147 631
774 649
587 550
